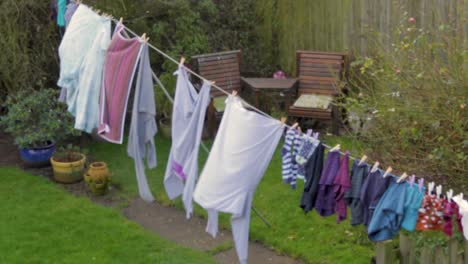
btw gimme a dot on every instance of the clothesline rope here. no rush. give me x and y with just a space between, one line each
221 89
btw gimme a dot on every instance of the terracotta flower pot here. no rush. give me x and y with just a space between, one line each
68 172
97 177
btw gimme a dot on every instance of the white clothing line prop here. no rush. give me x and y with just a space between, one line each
227 93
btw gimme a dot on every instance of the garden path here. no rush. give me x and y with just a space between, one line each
168 222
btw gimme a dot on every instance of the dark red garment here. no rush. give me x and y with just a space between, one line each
451 210
341 185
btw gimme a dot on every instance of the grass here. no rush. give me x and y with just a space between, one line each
40 223
308 237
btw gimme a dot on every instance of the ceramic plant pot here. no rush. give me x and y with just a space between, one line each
165 127
97 177
68 172
37 157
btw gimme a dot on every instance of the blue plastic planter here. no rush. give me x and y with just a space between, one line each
37 157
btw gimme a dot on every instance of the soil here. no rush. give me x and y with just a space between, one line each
168 222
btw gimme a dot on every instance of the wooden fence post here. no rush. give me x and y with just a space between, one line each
407 250
466 252
453 250
385 253
426 256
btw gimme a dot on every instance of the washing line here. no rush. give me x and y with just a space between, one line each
221 90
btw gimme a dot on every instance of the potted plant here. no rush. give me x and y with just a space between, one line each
98 177
68 164
164 105
37 121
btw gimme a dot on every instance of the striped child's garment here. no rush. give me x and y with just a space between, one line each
119 70
289 151
188 116
305 150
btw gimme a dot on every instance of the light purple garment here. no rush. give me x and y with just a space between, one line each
188 116
70 11
143 125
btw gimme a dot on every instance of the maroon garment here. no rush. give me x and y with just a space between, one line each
451 209
325 204
341 185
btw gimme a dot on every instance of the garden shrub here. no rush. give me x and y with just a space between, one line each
412 98
29 43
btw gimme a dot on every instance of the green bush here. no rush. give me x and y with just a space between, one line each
412 98
35 117
29 43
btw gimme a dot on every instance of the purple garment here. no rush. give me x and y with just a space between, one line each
342 184
325 204
372 190
71 8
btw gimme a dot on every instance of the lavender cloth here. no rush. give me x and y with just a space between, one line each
143 125
70 11
188 116
325 204
372 190
340 186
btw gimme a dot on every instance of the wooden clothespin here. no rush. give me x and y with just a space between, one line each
387 172
336 148
144 38
362 159
430 187
449 195
283 119
182 60
234 92
402 177
121 20
439 190
375 167
295 125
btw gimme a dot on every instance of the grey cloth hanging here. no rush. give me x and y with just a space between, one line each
143 125
188 116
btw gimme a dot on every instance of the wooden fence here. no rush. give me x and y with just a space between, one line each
339 25
454 253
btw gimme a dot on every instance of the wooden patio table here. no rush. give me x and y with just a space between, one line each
259 85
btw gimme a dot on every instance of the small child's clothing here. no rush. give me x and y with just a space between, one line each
325 203
313 171
304 152
373 188
413 202
451 209
388 214
431 214
352 196
340 187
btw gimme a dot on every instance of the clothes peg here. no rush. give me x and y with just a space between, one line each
420 184
283 119
316 135
336 148
309 132
387 172
234 92
182 60
439 190
362 159
402 177
430 187
121 20
143 37
411 180
449 195
375 167
295 125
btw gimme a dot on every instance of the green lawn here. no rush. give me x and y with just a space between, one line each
308 237
40 223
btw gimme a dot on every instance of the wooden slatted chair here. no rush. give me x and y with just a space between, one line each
224 69
320 75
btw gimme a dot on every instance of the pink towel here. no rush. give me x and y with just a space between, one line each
119 70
